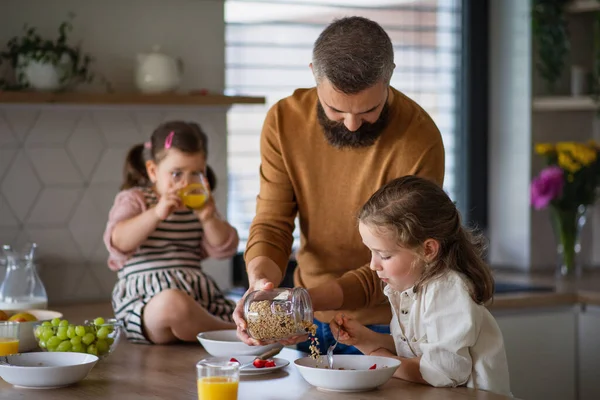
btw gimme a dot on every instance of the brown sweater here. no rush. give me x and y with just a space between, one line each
302 174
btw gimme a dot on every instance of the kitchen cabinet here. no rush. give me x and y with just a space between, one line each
541 348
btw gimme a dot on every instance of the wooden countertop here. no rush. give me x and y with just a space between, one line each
582 290
168 372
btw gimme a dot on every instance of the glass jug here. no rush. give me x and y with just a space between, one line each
22 288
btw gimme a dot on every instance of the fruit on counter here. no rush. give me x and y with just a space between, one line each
22 317
3 316
59 335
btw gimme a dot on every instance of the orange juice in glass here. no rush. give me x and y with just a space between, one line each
217 380
9 338
194 195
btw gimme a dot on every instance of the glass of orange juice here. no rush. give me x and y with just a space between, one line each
217 380
194 195
9 338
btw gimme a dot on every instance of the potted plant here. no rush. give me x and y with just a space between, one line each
551 39
568 186
44 64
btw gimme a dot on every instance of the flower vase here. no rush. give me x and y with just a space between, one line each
567 225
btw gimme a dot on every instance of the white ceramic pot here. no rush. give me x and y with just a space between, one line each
43 75
157 72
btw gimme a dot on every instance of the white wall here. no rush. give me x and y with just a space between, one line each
60 166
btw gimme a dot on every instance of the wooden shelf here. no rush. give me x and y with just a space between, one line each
581 6
167 99
564 103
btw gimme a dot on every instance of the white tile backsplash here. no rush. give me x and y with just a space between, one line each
53 126
7 139
20 120
85 145
7 218
54 166
54 206
118 127
21 186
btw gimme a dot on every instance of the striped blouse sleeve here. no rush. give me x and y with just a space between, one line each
128 204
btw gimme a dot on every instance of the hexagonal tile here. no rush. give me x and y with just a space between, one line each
21 121
86 145
54 206
88 288
87 225
21 186
54 166
6 136
7 236
106 277
60 280
55 246
147 122
118 127
53 127
110 167
6 157
7 218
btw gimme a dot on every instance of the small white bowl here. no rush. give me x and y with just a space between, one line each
355 377
27 340
226 344
46 370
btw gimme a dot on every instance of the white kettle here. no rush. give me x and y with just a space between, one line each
157 72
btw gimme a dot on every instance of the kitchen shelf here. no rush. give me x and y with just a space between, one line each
167 99
564 103
581 6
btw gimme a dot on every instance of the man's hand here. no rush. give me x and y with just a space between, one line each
238 313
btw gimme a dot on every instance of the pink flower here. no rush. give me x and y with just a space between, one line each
547 187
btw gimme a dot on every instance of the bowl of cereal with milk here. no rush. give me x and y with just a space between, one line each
350 373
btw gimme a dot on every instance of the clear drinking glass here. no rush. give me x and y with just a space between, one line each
217 380
9 338
195 194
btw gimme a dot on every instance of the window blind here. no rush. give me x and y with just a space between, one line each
268 49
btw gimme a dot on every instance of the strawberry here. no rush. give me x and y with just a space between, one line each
374 366
269 364
259 363
233 360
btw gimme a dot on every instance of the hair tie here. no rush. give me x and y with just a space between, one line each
148 145
169 140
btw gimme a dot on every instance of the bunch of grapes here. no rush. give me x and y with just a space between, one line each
59 335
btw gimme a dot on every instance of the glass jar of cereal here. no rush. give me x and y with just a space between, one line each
278 313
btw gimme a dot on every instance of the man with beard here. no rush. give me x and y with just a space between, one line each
324 151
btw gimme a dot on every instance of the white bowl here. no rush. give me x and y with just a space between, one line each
356 376
27 340
46 370
227 344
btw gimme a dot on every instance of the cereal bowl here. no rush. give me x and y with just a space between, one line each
46 370
356 375
225 343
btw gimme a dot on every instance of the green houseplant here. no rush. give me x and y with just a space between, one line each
551 39
45 64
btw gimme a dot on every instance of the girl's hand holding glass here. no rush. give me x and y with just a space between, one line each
167 204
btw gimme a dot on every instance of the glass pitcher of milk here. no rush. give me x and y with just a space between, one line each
22 288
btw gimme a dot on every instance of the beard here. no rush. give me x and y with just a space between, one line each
340 137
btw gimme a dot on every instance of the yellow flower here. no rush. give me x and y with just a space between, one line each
544 148
581 153
566 162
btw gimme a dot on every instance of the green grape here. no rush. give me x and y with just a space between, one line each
71 332
88 338
80 330
99 321
102 346
77 347
61 333
42 344
102 333
47 323
47 334
52 343
37 332
64 323
110 341
92 350
55 322
84 348
76 340
64 346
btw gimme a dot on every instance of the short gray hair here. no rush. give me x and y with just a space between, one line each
353 53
